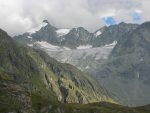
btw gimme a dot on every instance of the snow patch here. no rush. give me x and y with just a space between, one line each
46 45
29 37
98 33
34 30
112 45
30 45
84 47
61 32
87 67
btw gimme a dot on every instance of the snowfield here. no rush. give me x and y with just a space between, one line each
47 46
61 32
84 57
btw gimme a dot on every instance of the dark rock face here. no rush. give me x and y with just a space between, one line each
136 46
76 37
45 33
64 92
127 70
113 33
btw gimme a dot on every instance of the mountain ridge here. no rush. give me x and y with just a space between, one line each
75 36
129 67
114 57
78 38
33 82
33 74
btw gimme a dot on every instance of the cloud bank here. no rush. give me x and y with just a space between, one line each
18 16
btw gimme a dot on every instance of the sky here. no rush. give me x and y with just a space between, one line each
19 16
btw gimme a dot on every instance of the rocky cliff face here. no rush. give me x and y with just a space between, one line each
128 67
75 37
43 32
107 35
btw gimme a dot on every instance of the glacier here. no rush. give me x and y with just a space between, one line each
84 57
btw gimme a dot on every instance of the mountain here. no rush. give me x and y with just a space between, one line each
127 69
107 35
76 46
19 77
105 55
45 32
33 82
70 38
28 75
75 37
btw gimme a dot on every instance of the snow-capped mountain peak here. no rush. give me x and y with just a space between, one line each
34 30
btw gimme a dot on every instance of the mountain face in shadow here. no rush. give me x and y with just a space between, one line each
128 67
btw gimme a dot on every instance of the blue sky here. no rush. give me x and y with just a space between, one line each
137 17
109 20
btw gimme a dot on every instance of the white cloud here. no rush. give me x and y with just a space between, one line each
108 13
138 11
18 16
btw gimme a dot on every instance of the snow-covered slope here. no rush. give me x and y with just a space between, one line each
61 32
47 46
84 57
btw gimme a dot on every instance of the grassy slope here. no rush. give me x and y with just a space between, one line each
10 102
72 80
